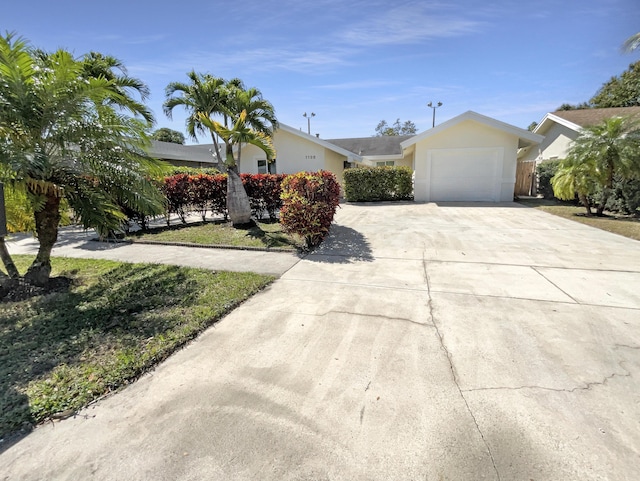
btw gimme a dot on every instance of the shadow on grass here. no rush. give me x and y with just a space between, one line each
42 337
343 245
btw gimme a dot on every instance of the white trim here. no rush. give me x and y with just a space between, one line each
558 120
522 134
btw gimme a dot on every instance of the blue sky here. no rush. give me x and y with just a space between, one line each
354 63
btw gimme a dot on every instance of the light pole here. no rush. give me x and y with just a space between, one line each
309 121
434 107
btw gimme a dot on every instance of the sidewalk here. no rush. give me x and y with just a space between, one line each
76 242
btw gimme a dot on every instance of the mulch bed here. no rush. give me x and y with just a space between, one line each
23 290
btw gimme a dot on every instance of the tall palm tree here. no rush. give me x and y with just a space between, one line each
240 133
64 133
204 94
245 116
604 151
631 43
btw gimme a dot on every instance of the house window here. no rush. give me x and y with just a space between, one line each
388 163
266 167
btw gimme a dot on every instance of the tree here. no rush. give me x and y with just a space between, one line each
204 94
532 126
631 43
245 117
398 128
168 135
599 154
66 133
580 106
576 176
622 91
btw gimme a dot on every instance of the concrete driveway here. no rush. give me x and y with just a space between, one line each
421 342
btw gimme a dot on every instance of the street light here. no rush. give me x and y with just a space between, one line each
309 121
434 107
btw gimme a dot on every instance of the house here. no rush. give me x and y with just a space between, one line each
562 127
468 158
199 156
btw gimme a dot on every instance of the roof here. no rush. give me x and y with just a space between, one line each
170 151
589 117
372 146
525 138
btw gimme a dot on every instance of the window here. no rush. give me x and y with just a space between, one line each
266 167
388 163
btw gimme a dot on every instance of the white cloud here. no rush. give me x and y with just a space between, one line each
409 24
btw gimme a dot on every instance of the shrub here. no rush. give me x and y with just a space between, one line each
545 171
625 197
193 170
177 189
378 183
264 191
310 200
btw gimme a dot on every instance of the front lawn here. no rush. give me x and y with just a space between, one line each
62 350
267 235
618 224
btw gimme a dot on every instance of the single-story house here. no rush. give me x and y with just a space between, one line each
562 127
198 156
468 158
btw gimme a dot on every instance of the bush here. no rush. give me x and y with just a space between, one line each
378 183
264 191
625 197
545 171
177 189
193 171
310 200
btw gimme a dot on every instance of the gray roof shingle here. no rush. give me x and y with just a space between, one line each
383 145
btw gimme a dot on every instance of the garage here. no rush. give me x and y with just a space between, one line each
470 158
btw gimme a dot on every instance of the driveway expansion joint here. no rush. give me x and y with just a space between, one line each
453 369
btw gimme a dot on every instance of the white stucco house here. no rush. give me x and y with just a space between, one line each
468 158
562 127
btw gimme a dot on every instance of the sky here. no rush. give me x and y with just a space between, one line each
354 63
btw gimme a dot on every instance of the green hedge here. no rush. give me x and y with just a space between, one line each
378 183
545 171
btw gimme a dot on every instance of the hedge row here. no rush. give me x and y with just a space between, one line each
204 193
378 183
310 200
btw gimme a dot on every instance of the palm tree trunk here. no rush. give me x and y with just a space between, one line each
47 221
585 202
8 261
237 200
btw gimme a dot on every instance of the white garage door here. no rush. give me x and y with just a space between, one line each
470 175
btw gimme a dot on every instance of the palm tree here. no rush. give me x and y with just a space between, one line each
240 133
576 177
631 43
246 118
205 94
602 152
64 134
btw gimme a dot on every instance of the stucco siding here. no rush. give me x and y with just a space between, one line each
556 143
461 143
334 162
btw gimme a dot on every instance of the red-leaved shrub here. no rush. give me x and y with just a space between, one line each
264 193
310 200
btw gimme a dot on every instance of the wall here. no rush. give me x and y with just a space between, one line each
557 140
469 134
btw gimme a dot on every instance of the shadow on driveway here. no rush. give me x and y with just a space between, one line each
343 246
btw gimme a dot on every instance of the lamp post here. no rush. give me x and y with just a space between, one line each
309 121
434 107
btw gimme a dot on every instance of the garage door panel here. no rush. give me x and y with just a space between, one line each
464 175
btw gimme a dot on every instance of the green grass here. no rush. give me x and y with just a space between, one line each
262 234
618 224
62 350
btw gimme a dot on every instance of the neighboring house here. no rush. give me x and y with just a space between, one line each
183 155
468 158
563 127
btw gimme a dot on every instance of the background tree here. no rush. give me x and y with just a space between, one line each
168 135
580 106
67 134
398 128
532 126
622 91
